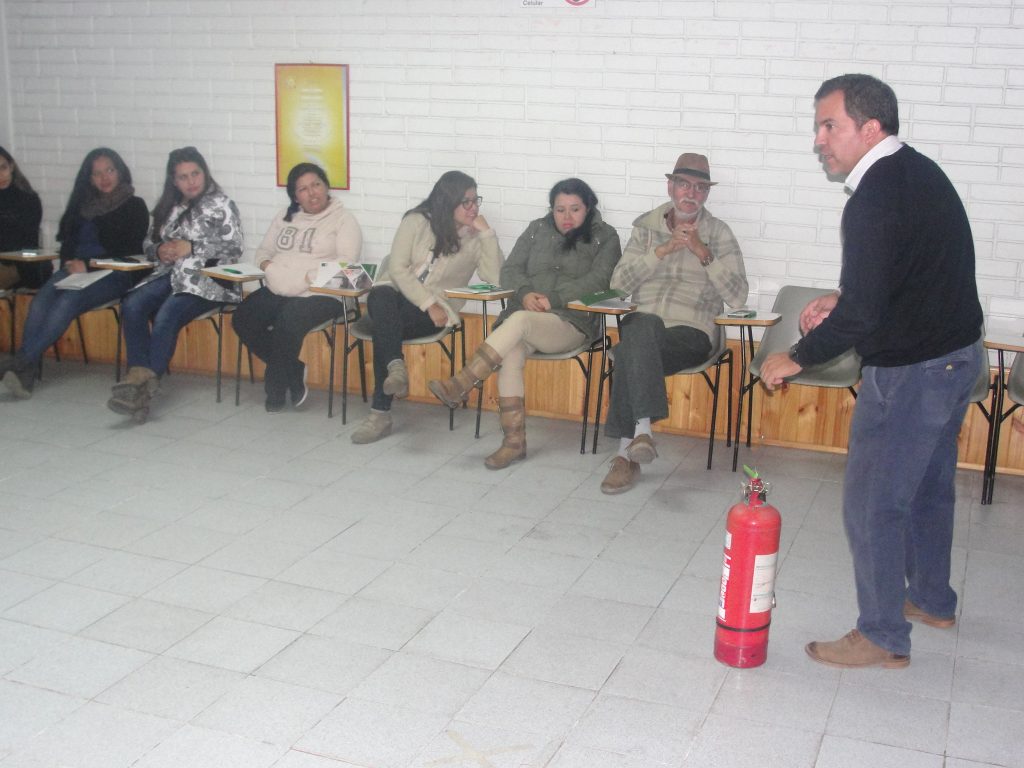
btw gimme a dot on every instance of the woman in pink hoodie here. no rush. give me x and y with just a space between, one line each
274 320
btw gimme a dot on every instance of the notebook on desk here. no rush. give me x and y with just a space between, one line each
344 274
608 299
79 280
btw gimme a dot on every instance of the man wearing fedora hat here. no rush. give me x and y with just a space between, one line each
681 265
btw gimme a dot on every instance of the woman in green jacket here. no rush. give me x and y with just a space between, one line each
559 258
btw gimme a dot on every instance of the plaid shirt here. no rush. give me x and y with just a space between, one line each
677 288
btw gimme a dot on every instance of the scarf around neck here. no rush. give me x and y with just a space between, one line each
101 204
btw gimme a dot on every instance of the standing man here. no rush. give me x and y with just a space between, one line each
909 305
680 264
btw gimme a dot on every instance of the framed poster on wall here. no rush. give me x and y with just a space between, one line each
312 119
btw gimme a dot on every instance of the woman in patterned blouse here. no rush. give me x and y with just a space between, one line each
195 225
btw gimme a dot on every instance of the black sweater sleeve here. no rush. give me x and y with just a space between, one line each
20 215
122 230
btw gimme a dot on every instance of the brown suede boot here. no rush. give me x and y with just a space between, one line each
512 417
453 392
131 397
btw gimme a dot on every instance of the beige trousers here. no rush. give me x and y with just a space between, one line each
526 332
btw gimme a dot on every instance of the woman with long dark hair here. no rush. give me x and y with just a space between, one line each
567 254
20 215
274 320
195 225
103 219
438 245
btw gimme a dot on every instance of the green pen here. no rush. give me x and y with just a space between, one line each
231 271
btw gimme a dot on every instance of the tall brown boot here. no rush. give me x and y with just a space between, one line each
512 417
453 392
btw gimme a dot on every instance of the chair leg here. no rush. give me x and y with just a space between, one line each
12 303
332 339
587 369
714 411
451 367
728 410
238 372
218 324
601 379
116 311
345 349
462 336
81 339
362 369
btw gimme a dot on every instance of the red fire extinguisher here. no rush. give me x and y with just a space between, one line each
747 595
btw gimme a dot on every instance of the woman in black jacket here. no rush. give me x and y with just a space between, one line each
20 214
103 219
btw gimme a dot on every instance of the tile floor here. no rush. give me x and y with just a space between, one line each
222 588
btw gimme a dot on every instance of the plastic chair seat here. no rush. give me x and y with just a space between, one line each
842 371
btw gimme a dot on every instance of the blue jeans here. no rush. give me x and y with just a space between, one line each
168 312
899 491
53 309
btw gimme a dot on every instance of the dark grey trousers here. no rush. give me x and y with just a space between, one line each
647 352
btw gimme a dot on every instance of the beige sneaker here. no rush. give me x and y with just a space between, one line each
374 427
913 613
621 476
853 651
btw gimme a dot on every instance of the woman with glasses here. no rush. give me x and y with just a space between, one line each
103 219
438 245
195 225
561 257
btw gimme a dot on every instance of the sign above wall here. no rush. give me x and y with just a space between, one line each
312 119
570 4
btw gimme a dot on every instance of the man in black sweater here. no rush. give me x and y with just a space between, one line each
908 303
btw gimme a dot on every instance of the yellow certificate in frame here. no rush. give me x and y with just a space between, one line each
312 119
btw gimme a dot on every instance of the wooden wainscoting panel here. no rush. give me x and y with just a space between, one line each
812 418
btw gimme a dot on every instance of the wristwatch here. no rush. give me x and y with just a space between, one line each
793 354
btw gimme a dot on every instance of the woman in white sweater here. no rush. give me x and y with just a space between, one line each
274 320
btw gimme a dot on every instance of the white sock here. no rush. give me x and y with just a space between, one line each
623 445
643 427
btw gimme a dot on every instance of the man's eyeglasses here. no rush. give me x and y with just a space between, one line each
696 186
471 202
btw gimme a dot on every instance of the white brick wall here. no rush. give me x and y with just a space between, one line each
520 98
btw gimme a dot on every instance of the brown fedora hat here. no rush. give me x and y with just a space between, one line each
692 164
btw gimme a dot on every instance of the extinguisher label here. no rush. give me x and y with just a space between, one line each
724 588
764 583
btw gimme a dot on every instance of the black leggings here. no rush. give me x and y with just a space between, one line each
394 319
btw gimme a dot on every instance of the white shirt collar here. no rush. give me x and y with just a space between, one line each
890 145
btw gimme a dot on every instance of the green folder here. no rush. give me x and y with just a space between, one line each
599 296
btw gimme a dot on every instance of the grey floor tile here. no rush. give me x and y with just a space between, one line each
422 683
171 688
879 716
462 617
728 742
986 734
467 640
